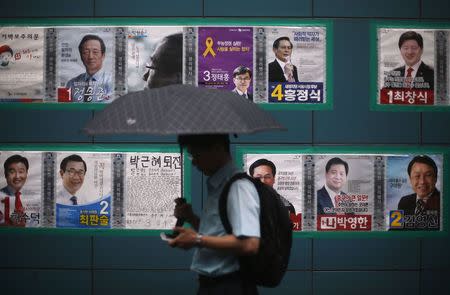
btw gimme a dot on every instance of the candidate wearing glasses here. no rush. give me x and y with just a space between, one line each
242 77
72 171
265 171
166 63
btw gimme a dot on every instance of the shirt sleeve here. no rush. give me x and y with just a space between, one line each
243 209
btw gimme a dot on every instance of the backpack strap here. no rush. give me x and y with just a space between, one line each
224 199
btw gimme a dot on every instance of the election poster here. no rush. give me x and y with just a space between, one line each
225 59
406 69
154 56
20 193
344 192
414 187
284 172
152 183
85 64
21 64
83 190
296 64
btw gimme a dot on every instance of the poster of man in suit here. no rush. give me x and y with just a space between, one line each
344 192
406 67
296 64
20 189
414 192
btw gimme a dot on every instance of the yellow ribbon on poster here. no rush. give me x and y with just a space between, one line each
209 43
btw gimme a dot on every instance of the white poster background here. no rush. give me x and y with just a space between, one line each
141 43
31 191
288 177
389 56
97 180
23 76
150 190
360 178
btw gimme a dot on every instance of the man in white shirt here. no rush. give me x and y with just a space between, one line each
72 171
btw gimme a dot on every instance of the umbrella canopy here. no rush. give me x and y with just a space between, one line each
181 109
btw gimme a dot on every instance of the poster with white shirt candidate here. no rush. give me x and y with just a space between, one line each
154 56
20 193
284 173
83 190
414 192
85 64
152 183
22 64
344 187
408 61
296 64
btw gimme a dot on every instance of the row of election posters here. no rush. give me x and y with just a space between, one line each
89 189
97 64
355 192
136 190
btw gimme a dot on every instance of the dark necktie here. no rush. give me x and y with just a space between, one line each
244 95
408 80
420 207
74 200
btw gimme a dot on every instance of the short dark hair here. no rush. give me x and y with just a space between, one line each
276 43
92 37
336 161
204 140
14 159
424 160
241 70
410 35
71 158
262 162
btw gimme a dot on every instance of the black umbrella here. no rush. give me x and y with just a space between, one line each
181 109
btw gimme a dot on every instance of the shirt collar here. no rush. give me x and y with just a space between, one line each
426 198
281 63
415 67
96 77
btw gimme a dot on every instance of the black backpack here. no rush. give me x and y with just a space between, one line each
268 266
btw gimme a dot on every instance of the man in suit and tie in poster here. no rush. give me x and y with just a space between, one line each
426 199
16 173
242 77
415 73
72 171
281 69
336 172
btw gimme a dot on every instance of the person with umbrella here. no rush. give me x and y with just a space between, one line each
216 254
202 119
